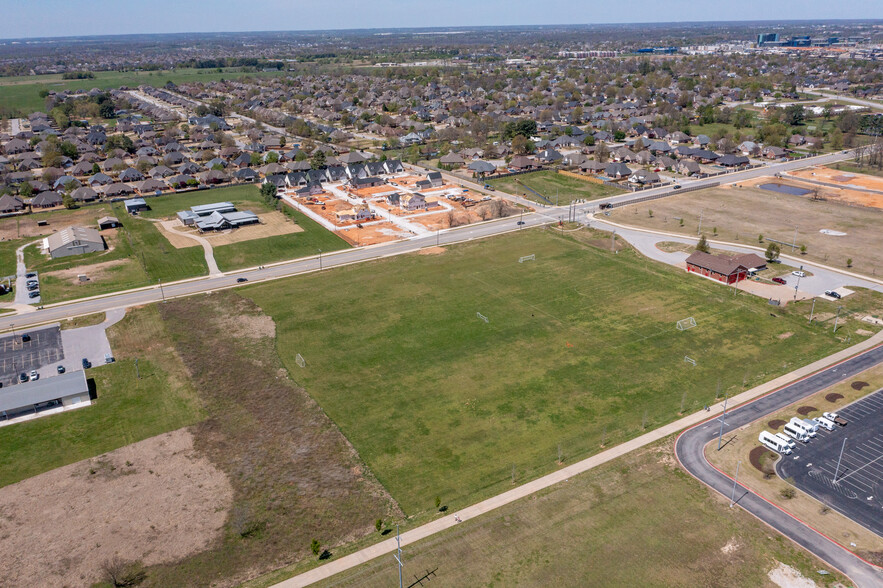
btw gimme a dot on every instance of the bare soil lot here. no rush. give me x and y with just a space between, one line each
743 214
155 501
272 224
26 226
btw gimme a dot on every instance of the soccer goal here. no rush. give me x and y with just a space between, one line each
299 360
482 317
690 360
531 257
687 323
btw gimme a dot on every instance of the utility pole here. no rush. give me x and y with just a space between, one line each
837 471
723 416
735 481
794 241
613 241
137 371
837 318
398 555
812 310
320 260
162 292
699 231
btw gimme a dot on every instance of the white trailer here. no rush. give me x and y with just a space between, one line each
796 433
801 424
772 442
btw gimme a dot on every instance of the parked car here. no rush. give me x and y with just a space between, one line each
25 337
32 287
34 294
22 378
60 369
779 280
86 364
240 280
34 375
489 188
30 275
832 294
799 273
108 358
520 223
833 416
676 186
32 283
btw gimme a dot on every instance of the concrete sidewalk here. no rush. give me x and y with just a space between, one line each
389 546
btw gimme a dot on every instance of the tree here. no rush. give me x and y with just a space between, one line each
268 191
618 135
437 501
638 146
95 168
256 159
772 252
317 160
26 190
272 157
837 139
702 245
521 145
601 153
803 249
69 201
68 149
794 115
315 546
378 524
848 262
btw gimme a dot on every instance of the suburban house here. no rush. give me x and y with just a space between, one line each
11 204
687 167
773 152
452 159
73 241
732 160
412 201
617 170
481 167
46 200
642 176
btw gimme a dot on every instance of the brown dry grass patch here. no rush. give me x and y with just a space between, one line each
154 501
295 476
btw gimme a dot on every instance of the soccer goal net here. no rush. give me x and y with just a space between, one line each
530 257
687 323
482 317
299 360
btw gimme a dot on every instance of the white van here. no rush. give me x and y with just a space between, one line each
786 439
825 423
772 442
796 433
801 424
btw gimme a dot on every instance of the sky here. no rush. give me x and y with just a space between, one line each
60 18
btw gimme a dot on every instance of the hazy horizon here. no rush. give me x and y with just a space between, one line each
72 18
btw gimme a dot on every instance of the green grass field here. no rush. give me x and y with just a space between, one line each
127 409
557 188
244 196
580 347
22 93
597 530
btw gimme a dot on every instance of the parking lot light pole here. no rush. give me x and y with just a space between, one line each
162 292
837 471
735 481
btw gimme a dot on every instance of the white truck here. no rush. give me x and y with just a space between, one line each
825 423
772 442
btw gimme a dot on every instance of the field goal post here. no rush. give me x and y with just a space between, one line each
299 360
531 257
687 323
690 360
482 317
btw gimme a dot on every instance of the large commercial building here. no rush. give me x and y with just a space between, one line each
43 397
73 241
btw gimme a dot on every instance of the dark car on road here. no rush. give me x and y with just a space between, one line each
86 364
60 369
22 378
240 280
779 280
832 294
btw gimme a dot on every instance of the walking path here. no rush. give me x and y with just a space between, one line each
213 269
389 546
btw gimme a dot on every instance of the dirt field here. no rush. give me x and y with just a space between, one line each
272 224
836 176
155 501
844 179
742 214
373 234
26 226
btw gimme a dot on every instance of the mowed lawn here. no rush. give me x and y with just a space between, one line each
637 521
580 347
557 188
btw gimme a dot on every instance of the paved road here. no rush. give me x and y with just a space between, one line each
851 100
689 449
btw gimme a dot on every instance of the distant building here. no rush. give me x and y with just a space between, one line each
43 397
765 38
217 217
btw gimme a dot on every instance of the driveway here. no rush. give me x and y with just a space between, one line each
85 342
21 287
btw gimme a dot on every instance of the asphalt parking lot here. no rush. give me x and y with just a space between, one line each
858 491
17 356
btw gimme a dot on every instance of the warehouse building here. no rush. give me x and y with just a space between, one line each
43 397
73 241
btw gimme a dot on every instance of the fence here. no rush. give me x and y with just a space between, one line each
592 179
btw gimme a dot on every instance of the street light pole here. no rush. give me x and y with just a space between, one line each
320 259
735 481
837 471
162 292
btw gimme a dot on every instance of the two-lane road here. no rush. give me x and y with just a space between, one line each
690 451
